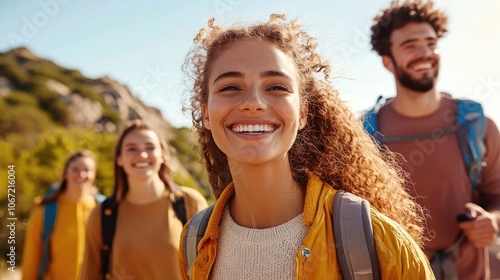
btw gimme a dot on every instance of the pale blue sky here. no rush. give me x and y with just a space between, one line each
142 44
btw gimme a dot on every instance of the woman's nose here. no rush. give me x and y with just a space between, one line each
253 100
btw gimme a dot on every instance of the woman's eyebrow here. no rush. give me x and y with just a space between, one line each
231 74
273 73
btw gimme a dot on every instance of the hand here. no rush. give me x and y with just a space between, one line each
482 230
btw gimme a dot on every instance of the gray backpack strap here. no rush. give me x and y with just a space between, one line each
441 263
354 240
195 231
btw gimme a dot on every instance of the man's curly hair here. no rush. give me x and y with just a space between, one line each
400 14
332 145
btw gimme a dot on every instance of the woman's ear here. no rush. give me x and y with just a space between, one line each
303 116
119 161
206 119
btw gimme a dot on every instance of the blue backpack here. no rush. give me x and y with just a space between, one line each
49 218
470 129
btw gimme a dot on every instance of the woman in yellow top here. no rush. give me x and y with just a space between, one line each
146 239
277 142
75 201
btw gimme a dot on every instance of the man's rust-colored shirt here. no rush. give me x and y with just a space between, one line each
440 181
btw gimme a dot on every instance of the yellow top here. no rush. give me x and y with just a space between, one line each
67 243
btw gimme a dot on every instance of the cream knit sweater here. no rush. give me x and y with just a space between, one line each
247 253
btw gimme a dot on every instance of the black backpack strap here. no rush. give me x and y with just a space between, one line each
354 240
179 205
109 212
194 232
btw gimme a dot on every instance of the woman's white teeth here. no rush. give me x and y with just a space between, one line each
142 164
253 128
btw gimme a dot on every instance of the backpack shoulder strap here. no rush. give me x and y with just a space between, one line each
471 130
49 219
370 121
194 232
99 197
109 212
353 234
179 205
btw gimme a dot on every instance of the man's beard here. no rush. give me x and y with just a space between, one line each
423 84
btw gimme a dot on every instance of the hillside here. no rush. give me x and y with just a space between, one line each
48 111
67 97
38 96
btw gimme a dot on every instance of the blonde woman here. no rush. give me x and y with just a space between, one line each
69 207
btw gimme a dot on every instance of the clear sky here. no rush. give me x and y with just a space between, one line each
142 44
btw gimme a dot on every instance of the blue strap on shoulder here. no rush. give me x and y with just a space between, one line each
99 197
370 122
49 218
471 130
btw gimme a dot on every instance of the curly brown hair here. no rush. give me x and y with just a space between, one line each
400 14
332 145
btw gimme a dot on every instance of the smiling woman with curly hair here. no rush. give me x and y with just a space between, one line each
278 142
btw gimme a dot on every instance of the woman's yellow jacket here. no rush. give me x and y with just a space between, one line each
399 255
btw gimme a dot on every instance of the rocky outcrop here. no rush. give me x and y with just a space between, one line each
5 86
85 112
120 99
58 87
